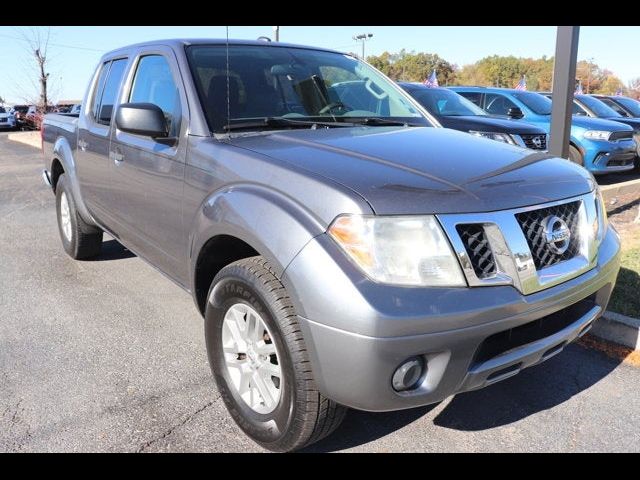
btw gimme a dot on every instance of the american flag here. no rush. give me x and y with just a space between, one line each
432 81
619 92
578 89
522 84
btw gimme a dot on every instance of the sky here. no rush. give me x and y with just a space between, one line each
74 50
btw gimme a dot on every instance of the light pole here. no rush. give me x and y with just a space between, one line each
362 37
276 33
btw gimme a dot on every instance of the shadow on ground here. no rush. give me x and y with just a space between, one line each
534 390
113 250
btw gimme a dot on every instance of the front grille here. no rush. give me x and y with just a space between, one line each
502 342
3 120
531 142
621 160
532 224
477 246
620 136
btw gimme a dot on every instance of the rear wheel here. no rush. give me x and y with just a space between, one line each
260 362
79 239
575 156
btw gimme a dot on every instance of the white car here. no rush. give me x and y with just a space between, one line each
7 120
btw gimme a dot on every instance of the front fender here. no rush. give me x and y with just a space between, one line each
63 152
273 224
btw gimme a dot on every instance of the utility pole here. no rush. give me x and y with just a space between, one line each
362 38
589 75
276 33
564 74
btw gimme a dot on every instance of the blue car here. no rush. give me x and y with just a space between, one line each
601 146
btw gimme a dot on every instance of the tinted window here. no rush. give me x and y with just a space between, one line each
474 97
439 101
111 89
498 104
539 104
97 93
153 83
294 83
610 103
630 104
2 110
597 107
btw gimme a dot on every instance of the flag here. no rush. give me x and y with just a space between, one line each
619 92
522 84
432 81
578 89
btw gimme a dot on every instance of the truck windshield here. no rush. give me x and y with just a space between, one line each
596 106
630 104
439 101
539 104
271 82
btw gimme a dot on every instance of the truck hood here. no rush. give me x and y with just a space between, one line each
485 123
425 170
591 123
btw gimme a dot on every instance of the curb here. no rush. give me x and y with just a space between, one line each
27 138
609 192
619 329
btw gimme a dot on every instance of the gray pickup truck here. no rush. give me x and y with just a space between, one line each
342 251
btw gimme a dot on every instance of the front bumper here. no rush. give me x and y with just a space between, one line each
358 332
602 157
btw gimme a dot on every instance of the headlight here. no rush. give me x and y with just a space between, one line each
597 134
501 137
401 250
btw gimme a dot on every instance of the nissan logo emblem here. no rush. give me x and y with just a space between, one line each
537 141
556 234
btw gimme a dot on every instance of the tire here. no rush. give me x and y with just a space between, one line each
302 414
79 239
575 156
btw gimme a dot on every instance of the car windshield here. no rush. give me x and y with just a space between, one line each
295 86
630 104
539 104
439 101
599 108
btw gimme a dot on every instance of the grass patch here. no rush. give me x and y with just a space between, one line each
626 295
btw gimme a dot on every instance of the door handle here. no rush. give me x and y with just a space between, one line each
116 156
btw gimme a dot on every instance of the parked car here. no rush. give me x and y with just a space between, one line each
454 111
7 119
601 146
343 252
625 106
34 116
20 114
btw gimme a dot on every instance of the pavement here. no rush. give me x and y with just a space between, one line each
108 355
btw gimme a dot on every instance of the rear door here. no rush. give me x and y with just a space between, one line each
93 162
149 173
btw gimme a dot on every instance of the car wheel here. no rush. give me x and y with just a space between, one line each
575 156
79 239
260 361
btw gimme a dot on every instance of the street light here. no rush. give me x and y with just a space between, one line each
362 37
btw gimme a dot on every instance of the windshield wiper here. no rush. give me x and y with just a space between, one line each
379 121
278 122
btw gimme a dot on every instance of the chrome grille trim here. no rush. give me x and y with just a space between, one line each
512 255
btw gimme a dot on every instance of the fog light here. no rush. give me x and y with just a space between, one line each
408 374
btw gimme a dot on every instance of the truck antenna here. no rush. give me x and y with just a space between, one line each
228 100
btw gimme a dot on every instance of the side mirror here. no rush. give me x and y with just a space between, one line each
515 112
142 119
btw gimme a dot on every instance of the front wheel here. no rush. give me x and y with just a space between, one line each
575 156
260 361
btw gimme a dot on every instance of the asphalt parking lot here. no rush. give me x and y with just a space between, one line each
108 355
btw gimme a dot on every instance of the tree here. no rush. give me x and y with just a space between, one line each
634 87
37 41
414 67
